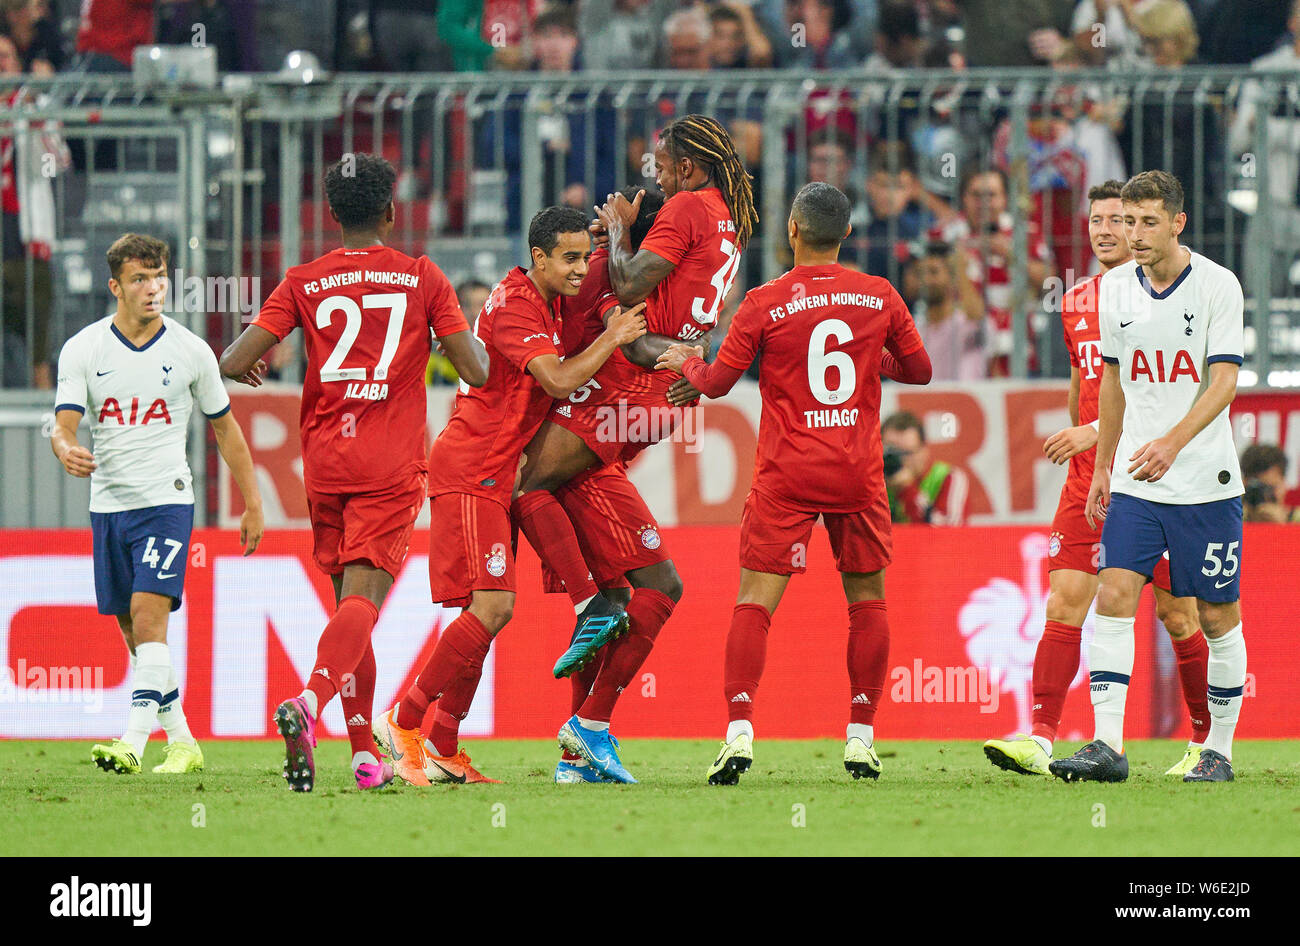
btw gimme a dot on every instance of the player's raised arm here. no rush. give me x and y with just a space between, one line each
242 361
559 378
1110 424
468 356
633 275
234 450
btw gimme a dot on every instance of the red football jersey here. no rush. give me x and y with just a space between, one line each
1083 343
366 315
820 331
478 452
693 231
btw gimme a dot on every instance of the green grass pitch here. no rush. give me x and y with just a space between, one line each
934 798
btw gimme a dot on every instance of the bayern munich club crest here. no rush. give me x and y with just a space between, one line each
649 537
496 565
1054 545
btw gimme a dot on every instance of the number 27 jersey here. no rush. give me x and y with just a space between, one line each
366 315
821 331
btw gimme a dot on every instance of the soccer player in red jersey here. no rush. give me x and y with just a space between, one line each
826 336
682 272
366 312
472 475
1074 545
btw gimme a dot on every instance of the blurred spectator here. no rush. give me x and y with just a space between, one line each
555 41
471 294
621 34
898 38
1263 469
737 40
35 35
27 200
829 160
483 33
1166 32
686 40
1239 31
818 35
895 215
1014 32
920 491
109 31
1103 31
1283 155
984 232
404 37
953 334
179 22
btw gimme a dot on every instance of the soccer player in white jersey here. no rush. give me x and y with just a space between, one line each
138 375
1171 341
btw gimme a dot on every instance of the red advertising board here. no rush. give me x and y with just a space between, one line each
965 611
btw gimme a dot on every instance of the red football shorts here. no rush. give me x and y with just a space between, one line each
469 548
373 528
774 536
614 526
618 432
1075 546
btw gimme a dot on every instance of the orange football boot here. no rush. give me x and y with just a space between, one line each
405 748
453 768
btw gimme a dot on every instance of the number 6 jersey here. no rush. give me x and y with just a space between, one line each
821 331
366 315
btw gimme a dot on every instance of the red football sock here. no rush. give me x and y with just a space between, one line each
358 698
443 722
551 535
462 645
647 612
1193 656
342 643
581 682
1055 663
868 659
746 654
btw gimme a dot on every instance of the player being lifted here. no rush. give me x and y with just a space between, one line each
472 475
366 311
826 335
1171 340
140 375
1074 546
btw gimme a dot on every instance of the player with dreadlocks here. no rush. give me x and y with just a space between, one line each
682 270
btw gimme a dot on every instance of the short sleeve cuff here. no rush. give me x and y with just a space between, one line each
221 413
69 407
280 336
1231 359
1109 360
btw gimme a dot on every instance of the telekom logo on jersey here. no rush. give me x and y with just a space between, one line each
112 409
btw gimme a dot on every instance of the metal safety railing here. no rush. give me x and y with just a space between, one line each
232 179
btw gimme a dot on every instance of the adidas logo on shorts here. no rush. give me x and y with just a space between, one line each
564 410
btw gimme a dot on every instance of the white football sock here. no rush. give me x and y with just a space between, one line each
363 758
1044 742
582 605
148 684
1225 677
592 724
738 726
861 731
170 713
1110 665
308 697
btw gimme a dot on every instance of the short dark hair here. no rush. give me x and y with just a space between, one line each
359 188
725 15
555 16
546 226
886 153
903 421
822 212
1155 185
831 135
937 248
1260 458
898 19
968 176
146 250
651 204
1106 190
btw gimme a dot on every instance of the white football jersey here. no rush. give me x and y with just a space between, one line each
139 402
1163 345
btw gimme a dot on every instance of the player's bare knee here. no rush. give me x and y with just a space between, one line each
1113 600
1067 607
493 614
1218 619
1177 620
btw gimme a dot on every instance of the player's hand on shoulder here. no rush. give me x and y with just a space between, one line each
681 393
78 461
676 355
1070 442
627 325
251 528
1153 459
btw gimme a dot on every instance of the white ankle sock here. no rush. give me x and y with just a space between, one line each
861 731
148 684
738 726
